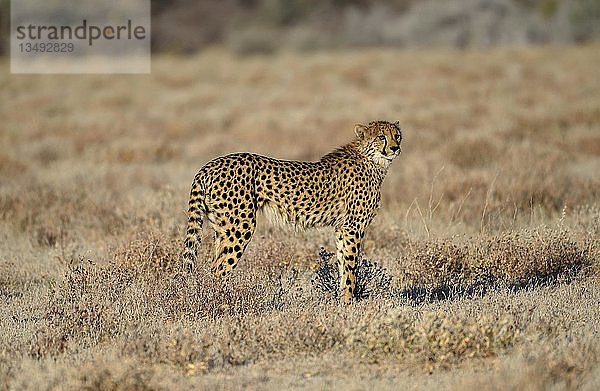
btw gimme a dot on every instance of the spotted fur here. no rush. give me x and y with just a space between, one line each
341 190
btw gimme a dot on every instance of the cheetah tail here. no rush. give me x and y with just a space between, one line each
194 226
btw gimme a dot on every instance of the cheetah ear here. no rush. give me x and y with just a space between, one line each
360 131
397 123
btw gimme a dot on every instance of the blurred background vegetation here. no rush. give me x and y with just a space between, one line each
263 26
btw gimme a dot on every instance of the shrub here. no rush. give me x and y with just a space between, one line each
372 280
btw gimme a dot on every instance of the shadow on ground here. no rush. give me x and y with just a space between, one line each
374 281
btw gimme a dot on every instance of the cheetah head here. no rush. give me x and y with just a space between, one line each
380 140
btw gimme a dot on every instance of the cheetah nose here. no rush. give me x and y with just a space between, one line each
395 148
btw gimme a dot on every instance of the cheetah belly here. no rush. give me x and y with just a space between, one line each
303 219
301 200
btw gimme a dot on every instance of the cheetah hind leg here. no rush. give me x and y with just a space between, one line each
230 245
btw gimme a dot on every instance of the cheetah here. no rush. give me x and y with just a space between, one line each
341 190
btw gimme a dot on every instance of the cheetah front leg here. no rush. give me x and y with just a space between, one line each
348 241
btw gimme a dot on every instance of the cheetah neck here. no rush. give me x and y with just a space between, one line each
382 163
355 152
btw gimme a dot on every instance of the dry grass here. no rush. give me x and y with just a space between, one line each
481 271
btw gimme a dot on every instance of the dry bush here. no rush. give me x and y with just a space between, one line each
435 338
51 216
149 254
37 211
520 185
109 371
565 365
144 280
372 280
546 186
515 259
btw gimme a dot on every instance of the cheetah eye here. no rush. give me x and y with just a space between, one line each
381 137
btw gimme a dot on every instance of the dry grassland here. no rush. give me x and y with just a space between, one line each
486 258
